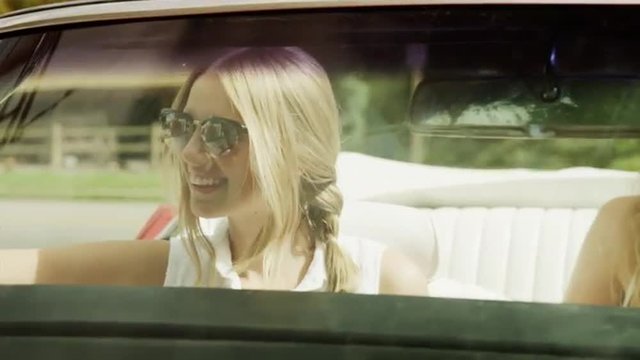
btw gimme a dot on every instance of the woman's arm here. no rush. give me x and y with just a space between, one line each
607 255
103 263
400 276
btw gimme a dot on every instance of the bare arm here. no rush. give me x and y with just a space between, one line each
103 263
400 276
606 258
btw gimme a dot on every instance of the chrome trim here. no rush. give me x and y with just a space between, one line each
146 9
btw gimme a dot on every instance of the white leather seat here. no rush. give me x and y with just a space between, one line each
524 254
515 233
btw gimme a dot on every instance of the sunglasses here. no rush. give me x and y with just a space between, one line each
218 134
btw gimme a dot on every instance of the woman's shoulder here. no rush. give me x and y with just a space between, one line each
614 234
618 219
624 205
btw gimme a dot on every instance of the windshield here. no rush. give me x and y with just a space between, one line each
479 143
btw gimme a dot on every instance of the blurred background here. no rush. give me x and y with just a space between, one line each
86 166
12 5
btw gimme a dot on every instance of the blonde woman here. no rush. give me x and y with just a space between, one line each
255 138
607 269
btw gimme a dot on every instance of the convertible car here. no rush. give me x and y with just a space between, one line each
480 138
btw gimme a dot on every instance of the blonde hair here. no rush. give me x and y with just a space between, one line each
285 99
634 298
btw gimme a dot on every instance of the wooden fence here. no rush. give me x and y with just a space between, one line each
100 145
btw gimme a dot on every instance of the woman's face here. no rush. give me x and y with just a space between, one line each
219 185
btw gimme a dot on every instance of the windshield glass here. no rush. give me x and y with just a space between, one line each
479 143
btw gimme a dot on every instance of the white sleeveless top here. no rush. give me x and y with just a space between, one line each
181 270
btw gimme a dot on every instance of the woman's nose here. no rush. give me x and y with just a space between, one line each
194 152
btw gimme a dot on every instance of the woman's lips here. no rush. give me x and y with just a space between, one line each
207 186
206 189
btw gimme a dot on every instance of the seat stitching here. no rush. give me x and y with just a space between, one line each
572 225
537 252
435 257
479 256
508 262
453 241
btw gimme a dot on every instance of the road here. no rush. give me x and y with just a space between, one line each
35 223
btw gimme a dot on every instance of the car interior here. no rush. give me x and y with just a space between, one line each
424 91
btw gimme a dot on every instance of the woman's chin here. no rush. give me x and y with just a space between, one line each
206 210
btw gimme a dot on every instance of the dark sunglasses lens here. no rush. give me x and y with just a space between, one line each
177 128
174 124
219 135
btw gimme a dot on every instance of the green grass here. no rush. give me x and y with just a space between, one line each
86 184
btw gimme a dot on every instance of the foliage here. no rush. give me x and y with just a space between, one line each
375 101
12 5
86 184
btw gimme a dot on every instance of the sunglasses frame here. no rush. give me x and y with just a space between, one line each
238 128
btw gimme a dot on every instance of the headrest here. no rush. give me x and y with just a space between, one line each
363 177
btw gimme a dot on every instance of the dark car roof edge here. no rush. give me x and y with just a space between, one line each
109 10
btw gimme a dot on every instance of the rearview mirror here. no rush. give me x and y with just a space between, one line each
528 108
586 87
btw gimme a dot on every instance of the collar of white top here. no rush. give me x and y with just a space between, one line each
314 280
